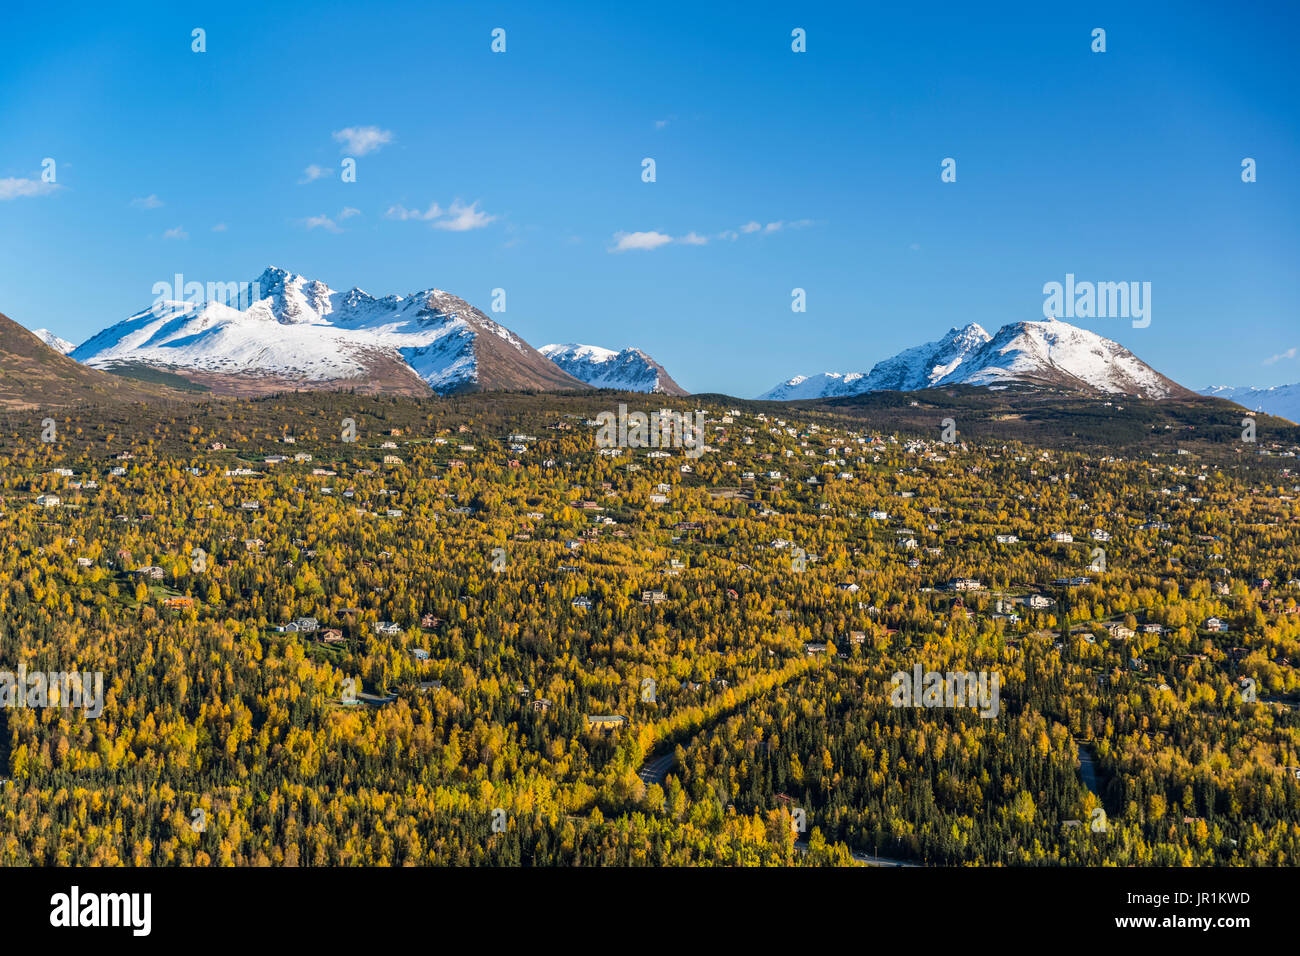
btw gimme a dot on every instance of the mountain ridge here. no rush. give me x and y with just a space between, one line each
1046 353
35 375
630 369
1280 400
298 332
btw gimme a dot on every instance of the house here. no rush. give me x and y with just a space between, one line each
1063 537
850 587
331 635
387 627
392 460
429 622
964 584
582 602
813 649
1215 625
542 705
653 597
857 637
249 505
49 501
1099 534
606 723
1119 632
1039 601
217 446
178 603
307 624
1007 539
420 654
152 572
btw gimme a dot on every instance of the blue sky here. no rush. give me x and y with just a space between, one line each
1115 166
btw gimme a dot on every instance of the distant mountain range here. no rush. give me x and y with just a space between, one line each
630 370
36 375
1042 353
1280 400
53 341
300 333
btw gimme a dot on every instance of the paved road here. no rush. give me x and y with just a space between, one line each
868 859
655 770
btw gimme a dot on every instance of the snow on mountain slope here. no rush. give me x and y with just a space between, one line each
929 364
1281 400
53 341
1051 352
821 385
1043 353
630 370
301 330
918 367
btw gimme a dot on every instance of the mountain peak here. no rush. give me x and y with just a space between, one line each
299 333
54 341
630 370
1040 352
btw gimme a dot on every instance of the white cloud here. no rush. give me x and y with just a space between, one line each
314 172
402 213
463 218
16 188
1288 354
147 202
321 222
625 241
660 124
176 232
359 140
329 225
782 224
219 227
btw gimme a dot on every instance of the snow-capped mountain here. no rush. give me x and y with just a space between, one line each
299 332
1281 400
53 341
1043 353
630 370
918 367
33 376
